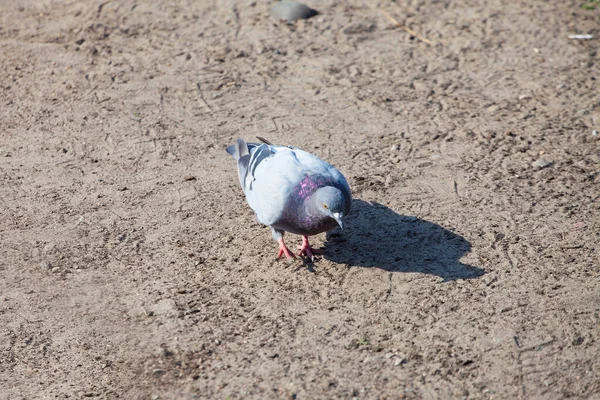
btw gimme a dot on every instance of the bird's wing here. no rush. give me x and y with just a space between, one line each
273 172
248 156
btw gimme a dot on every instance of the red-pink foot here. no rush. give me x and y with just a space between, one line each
284 250
305 249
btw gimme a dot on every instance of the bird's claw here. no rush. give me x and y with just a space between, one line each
284 250
307 250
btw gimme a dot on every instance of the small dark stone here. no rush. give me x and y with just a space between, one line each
200 261
80 41
578 341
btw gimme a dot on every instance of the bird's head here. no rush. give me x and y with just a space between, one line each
329 201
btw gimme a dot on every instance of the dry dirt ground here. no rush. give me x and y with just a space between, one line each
131 266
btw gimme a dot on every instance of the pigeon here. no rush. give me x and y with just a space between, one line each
291 190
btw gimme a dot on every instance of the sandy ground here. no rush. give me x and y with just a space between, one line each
131 266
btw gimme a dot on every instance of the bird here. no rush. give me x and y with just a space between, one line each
291 190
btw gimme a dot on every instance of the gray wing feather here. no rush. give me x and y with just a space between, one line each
243 168
258 154
249 156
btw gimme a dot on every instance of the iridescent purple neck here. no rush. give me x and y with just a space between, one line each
301 210
309 185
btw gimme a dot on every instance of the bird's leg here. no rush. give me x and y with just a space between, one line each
307 250
284 250
278 235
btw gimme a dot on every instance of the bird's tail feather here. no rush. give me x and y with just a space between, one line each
243 153
231 150
238 150
242 148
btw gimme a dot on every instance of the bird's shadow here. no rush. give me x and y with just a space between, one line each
378 237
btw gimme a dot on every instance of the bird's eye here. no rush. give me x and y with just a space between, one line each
325 206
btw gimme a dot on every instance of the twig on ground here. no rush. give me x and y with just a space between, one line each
407 29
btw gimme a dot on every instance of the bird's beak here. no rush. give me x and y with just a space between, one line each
338 219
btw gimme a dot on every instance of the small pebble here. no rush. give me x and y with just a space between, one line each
291 10
594 133
542 163
46 265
